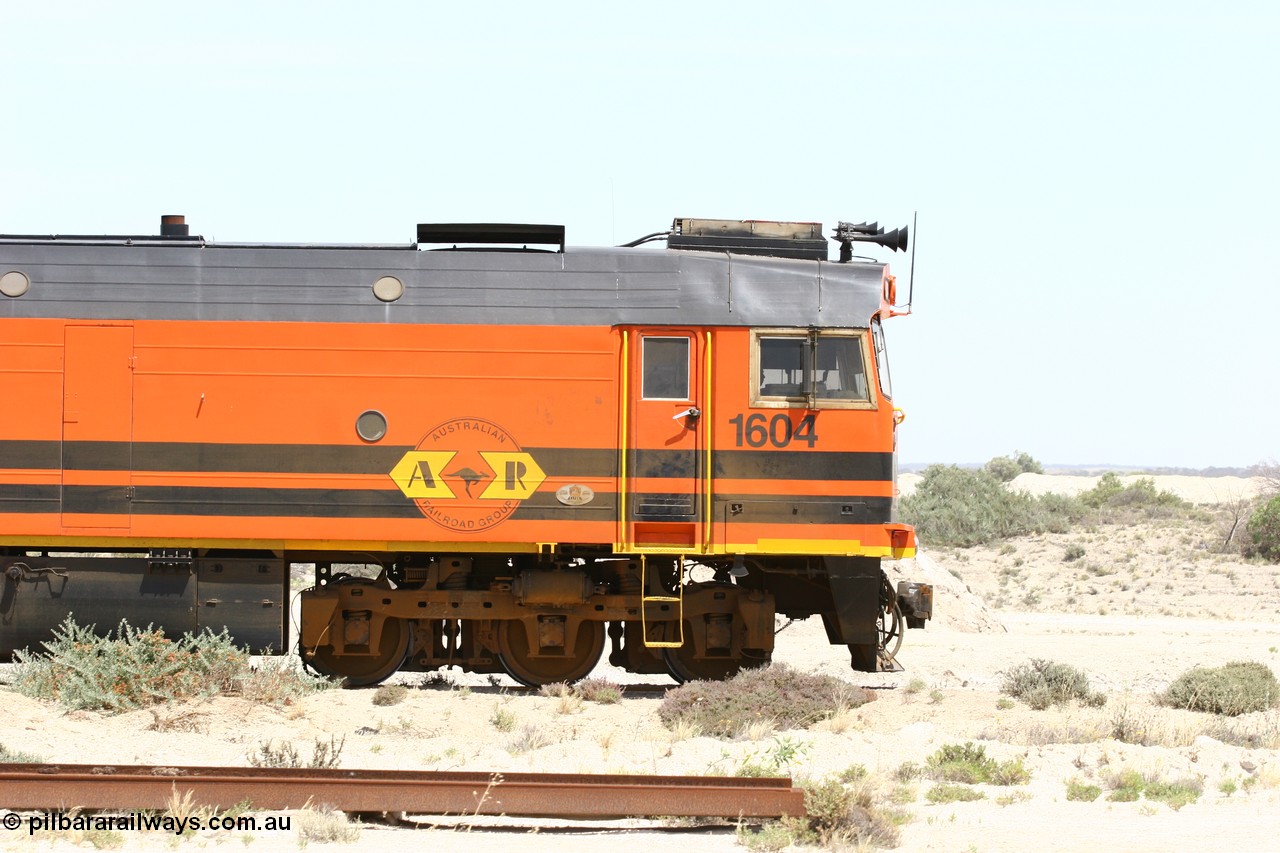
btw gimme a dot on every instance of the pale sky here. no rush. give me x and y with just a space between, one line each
1098 187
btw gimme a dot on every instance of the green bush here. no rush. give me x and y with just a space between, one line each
790 699
1264 531
1082 791
137 667
950 793
1233 689
954 506
970 765
1142 494
1041 683
1005 468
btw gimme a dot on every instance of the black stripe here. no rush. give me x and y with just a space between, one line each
30 454
389 503
783 509
29 498
676 464
803 465
196 457
798 464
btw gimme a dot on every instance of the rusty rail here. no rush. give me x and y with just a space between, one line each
66 786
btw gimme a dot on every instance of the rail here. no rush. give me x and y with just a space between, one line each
84 786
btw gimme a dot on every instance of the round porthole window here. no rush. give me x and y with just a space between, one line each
388 288
371 425
14 283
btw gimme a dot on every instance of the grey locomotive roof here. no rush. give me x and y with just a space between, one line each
591 286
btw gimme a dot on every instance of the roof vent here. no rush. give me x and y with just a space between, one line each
801 240
489 233
174 225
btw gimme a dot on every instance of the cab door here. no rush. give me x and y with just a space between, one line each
665 436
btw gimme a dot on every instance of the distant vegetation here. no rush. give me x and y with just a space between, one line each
962 507
1005 468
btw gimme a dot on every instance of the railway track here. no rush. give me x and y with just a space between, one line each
49 787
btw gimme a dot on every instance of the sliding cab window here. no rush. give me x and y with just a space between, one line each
811 369
665 369
882 358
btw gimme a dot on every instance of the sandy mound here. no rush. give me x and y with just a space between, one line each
1197 490
955 605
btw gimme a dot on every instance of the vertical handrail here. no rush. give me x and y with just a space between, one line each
622 544
708 432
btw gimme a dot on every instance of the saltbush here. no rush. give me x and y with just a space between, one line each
954 506
1005 468
1264 531
138 667
788 698
1141 494
1041 683
1233 689
969 764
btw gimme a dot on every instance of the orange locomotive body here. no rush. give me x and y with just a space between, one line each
499 460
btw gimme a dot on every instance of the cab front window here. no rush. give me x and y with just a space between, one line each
815 369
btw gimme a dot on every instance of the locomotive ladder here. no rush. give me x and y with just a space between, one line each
677 599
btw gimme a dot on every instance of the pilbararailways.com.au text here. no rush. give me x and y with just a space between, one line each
142 822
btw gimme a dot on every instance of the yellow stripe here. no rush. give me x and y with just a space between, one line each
105 543
787 547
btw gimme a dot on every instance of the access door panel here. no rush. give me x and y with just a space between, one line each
97 427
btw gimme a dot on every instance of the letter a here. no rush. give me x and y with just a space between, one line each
421 471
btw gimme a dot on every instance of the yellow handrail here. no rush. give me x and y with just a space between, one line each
622 448
678 598
708 430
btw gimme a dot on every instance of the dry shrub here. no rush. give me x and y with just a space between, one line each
131 668
325 827
14 756
1042 683
599 690
323 755
838 816
1236 688
390 694
788 698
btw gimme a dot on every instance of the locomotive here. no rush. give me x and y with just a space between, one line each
486 449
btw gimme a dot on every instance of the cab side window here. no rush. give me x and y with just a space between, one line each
665 369
810 368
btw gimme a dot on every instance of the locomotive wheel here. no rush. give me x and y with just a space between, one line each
889 625
516 658
684 667
366 670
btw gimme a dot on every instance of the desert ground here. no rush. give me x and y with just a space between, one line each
1144 602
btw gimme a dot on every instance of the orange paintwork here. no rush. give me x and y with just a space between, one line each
293 385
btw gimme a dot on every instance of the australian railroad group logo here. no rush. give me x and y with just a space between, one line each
467 475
